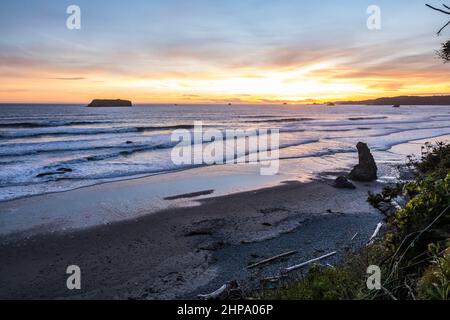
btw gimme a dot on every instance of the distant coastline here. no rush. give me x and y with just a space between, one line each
403 100
436 100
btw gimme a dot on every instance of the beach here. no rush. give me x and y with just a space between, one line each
181 252
200 240
140 228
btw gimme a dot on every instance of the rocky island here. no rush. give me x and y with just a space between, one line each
110 103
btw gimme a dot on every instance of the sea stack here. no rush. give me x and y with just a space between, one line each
110 103
366 170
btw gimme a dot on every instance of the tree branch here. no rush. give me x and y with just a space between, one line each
443 11
437 9
439 32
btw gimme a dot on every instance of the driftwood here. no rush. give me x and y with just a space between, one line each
353 238
375 233
273 279
230 290
377 230
286 254
298 266
214 295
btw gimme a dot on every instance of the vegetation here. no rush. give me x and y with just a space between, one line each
435 284
321 283
444 53
413 254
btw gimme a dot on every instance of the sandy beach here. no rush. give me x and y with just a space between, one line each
180 252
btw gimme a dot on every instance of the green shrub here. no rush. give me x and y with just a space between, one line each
389 193
423 223
435 160
321 283
435 282
346 281
419 215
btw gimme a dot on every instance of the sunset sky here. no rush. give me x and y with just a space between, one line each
215 51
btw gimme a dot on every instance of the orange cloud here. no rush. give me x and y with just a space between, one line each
206 74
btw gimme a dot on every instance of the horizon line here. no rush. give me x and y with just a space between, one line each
278 102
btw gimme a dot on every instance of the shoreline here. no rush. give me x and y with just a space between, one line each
192 247
179 252
123 200
118 179
131 198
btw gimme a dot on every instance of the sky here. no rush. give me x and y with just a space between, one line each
211 51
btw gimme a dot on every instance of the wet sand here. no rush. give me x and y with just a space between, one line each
182 251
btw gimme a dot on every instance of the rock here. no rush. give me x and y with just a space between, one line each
405 173
366 170
213 246
272 210
45 174
199 232
342 183
396 105
110 103
401 201
387 208
384 206
57 172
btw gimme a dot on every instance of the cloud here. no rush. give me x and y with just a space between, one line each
69 78
200 65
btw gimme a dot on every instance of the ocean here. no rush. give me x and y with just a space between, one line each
53 148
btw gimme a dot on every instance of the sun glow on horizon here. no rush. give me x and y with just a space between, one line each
260 86
227 52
